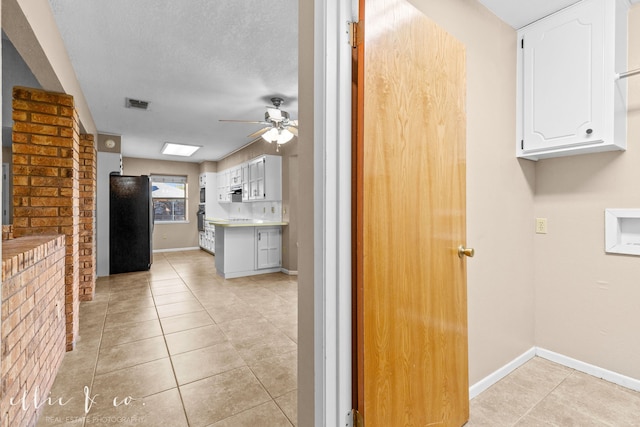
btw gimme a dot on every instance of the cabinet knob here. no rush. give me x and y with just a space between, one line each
589 131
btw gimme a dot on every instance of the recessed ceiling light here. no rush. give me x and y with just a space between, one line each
173 149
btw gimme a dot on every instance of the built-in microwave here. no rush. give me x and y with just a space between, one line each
202 195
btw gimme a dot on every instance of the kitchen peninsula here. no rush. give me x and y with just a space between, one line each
246 247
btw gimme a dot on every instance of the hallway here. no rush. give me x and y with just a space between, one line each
180 346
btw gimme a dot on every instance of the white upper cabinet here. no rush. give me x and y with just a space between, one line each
245 182
224 187
265 178
569 99
235 176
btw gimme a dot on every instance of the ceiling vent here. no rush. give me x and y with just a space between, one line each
136 103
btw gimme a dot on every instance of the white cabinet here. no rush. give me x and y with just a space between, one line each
256 179
569 100
235 254
224 187
260 180
247 250
265 178
207 238
235 176
202 180
245 182
268 247
211 195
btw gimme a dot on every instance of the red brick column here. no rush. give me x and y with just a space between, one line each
87 248
45 181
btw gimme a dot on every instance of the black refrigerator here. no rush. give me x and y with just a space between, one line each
130 224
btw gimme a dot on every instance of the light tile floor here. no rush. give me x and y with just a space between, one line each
541 393
192 349
180 346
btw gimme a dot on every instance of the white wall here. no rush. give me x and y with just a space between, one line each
587 302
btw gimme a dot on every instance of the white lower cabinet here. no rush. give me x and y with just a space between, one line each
207 239
247 251
268 247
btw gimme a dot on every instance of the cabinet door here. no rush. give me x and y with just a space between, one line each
223 187
562 79
256 179
245 182
235 176
268 245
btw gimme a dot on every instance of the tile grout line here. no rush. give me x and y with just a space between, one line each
544 397
164 337
95 366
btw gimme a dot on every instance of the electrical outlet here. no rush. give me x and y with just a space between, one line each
541 225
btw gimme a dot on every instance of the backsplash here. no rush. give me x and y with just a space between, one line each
267 211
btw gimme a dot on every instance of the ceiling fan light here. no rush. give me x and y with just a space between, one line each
284 136
271 135
279 136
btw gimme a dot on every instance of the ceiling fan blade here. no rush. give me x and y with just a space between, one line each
255 140
259 132
293 130
293 123
244 121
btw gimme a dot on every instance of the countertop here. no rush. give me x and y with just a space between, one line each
243 222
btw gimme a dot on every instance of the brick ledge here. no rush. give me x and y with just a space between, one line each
23 252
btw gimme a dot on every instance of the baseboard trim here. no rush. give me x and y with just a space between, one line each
194 248
595 371
289 272
502 372
587 368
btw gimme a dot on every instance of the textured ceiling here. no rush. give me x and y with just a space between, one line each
195 61
519 13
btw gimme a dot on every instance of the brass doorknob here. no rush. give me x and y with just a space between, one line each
462 251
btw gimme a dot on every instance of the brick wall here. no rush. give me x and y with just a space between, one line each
33 325
87 182
7 231
45 180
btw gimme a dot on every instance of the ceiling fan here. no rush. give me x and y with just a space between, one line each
279 128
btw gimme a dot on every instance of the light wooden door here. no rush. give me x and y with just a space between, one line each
410 285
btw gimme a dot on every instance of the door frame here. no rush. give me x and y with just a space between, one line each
332 211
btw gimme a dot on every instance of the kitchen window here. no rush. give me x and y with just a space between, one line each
169 194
